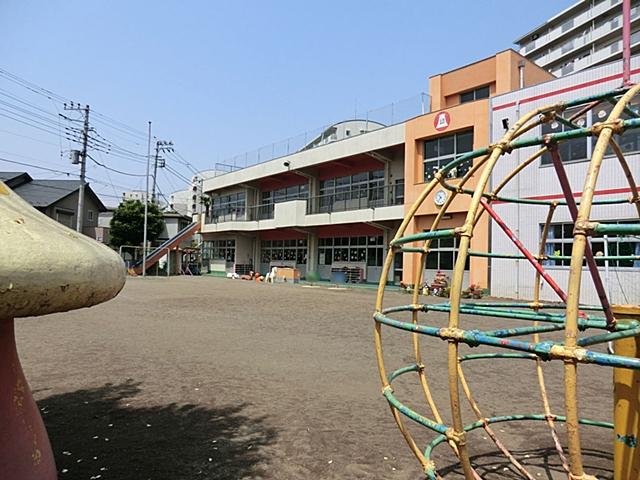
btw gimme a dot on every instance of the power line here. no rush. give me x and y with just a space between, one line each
115 170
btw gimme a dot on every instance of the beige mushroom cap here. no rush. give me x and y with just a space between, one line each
46 267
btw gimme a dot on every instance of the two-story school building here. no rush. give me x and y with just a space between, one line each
539 181
336 205
325 208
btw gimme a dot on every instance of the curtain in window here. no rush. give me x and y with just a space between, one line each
548 248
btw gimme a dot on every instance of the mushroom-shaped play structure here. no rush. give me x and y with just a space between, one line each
44 268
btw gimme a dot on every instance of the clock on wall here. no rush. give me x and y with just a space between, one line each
440 197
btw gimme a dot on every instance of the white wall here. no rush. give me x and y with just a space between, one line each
516 279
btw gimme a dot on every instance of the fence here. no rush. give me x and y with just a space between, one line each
388 115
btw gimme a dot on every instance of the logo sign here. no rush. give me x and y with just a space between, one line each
442 121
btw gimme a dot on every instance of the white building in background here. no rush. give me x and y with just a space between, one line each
189 201
133 195
538 181
342 130
586 34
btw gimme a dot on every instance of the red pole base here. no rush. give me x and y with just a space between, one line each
25 451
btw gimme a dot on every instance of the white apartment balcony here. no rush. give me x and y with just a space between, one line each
375 204
569 27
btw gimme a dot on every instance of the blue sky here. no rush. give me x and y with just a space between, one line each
220 78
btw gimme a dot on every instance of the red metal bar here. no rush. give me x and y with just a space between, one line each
591 263
626 42
556 288
25 452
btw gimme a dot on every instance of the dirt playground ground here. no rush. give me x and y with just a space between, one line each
209 378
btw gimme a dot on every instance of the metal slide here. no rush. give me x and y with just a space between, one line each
158 252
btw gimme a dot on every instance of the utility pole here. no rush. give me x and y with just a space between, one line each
146 209
83 161
161 146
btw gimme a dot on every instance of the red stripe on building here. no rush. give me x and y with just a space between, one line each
560 196
564 90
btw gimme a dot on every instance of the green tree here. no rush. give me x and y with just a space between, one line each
127 224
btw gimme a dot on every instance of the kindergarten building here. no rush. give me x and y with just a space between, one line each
539 182
457 123
333 206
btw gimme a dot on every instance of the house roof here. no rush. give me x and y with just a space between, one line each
43 193
13 179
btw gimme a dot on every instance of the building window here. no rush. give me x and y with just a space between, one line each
295 192
440 151
351 249
443 253
579 149
277 250
90 215
476 94
560 243
220 250
230 207
365 187
398 194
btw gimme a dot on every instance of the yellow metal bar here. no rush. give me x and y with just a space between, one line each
626 402
604 132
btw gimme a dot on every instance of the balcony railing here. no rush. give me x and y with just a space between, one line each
338 201
241 214
356 199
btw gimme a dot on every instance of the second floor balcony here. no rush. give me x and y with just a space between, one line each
382 202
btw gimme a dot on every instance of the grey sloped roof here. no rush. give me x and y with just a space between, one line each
13 179
42 193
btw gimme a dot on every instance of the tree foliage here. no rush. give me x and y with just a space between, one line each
127 224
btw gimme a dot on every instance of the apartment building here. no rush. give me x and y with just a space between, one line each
539 181
584 35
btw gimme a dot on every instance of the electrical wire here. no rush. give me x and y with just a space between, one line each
128 174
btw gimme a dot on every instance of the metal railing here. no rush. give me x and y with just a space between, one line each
356 199
338 201
386 116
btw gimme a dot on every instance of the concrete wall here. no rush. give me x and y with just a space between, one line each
378 139
516 279
472 115
500 72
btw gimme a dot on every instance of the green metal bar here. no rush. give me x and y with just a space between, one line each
543 349
627 110
416 237
395 374
412 249
491 356
618 228
464 157
430 471
608 337
596 96
528 305
409 413
514 332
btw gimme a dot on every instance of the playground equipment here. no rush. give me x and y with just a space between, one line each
44 268
161 250
620 324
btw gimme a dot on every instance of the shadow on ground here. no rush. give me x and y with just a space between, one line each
96 434
494 466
